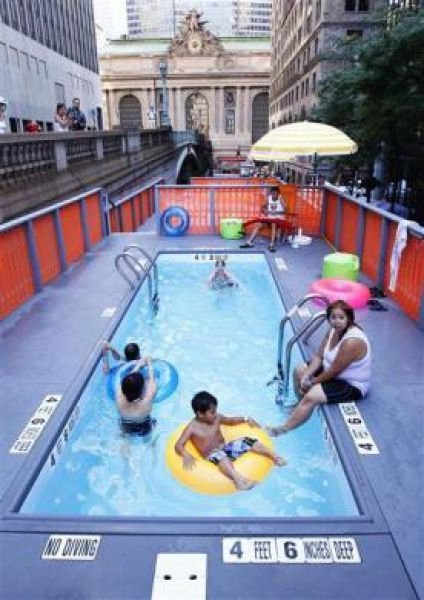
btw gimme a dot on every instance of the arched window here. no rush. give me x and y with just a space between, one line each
260 116
130 111
197 113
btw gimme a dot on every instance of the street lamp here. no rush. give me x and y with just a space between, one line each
164 119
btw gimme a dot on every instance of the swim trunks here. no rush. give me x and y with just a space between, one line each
138 427
232 450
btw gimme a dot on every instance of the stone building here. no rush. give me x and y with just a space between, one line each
302 32
218 86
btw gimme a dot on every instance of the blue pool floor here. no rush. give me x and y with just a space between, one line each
49 342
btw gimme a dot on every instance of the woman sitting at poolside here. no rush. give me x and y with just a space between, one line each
135 399
339 372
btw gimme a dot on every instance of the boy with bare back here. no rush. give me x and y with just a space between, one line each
204 431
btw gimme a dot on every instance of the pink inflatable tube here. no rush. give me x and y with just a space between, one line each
355 294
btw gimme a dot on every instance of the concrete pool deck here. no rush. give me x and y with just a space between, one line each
49 344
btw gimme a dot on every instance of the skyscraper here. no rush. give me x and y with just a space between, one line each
161 18
48 55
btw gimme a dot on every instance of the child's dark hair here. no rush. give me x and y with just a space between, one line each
132 351
348 311
132 386
203 401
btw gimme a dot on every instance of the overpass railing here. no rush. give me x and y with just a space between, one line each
23 156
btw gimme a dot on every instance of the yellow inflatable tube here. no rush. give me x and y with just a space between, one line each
205 477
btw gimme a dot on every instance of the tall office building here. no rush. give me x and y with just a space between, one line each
48 55
303 32
111 16
161 18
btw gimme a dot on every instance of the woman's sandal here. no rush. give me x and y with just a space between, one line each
374 304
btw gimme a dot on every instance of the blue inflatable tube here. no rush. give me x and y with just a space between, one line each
166 377
175 212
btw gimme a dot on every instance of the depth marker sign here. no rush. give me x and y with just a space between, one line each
38 421
358 429
291 550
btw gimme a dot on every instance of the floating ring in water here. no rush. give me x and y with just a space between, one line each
205 477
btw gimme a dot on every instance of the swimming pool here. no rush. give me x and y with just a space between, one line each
224 342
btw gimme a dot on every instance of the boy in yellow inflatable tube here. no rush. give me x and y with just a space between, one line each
204 432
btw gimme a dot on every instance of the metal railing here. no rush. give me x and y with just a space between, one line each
24 155
138 268
282 378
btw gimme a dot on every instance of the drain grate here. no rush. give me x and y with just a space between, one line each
179 577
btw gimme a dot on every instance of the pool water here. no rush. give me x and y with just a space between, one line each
220 341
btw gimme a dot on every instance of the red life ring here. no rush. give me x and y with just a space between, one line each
355 294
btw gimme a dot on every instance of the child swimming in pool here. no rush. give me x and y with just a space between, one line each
220 278
204 431
131 352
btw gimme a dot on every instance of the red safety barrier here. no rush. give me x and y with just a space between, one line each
47 247
194 200
16 282
372 235
126 216
330 217
409 289
307 205
94 218
70 219
30 248
115 226
349 227
137 210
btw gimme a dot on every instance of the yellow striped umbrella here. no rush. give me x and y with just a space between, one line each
302 139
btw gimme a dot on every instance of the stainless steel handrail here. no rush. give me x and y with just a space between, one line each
132 263
317 317
282 374
152 264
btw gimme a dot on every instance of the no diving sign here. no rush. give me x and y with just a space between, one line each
295 550
71 547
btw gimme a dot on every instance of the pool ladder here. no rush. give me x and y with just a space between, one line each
139 269
306 330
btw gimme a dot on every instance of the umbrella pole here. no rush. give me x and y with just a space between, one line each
315 168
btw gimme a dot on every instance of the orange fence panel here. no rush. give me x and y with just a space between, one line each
243 203
114 220
331 217
94 218
349 227
16 283
372 239
137 211
306 203
70 218
194 200
127 218
47 248
146 196
409 288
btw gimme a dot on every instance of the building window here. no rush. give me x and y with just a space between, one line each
354 33
230 120
363 5
314 82
350 5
